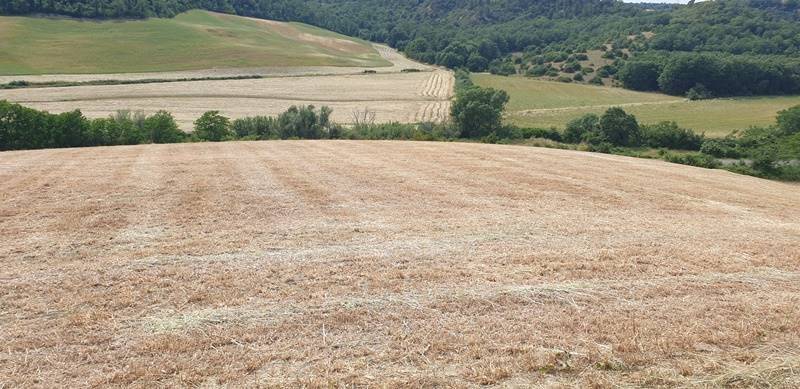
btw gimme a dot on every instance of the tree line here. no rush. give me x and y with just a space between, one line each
770 151
705 75
477 112
23 128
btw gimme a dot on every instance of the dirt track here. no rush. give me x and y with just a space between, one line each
369 263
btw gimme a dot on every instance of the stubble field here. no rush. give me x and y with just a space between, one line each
403 97
299 65
322 263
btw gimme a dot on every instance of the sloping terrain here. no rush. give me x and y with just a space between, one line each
392 263
403 97
538 103
194 40
398 62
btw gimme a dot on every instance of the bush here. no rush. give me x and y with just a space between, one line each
693 159
517 133
70 129
755 137
15 84
641 76
384 131
541 133
699 92
212 127
607 71
669 135
620 128
570 67
599 146
789 120
478 111
502 68
304 122
537 70
764 160
721 148
555 56
789 147
477 63
578 129
578 77
21 127
564 79
260 127
161 128
463 80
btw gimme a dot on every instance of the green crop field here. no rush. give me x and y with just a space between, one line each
191 41
537 103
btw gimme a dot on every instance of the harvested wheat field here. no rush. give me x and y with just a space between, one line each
328 263
402 97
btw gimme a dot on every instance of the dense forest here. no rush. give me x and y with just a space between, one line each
672 47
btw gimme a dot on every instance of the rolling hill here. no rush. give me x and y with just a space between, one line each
190 41
398 264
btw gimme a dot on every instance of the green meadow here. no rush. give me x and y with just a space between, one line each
537 103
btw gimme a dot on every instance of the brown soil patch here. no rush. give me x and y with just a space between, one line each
333 263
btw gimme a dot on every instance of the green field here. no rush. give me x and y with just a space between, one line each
191 41
537 103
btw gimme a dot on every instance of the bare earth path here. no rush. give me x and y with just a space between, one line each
391 263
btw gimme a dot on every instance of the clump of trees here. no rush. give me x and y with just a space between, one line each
26 128
671 136
699 75
476 111
298 122
770 151
614 128
213 127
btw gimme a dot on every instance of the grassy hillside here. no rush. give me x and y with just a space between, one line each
192 40
544 104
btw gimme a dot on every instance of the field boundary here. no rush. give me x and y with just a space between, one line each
579 107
